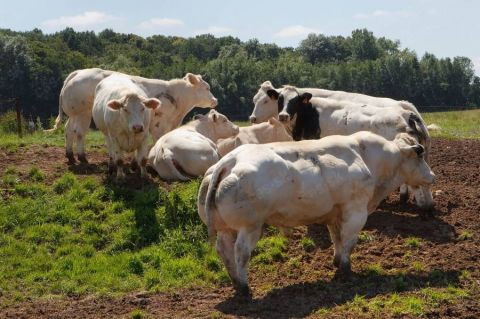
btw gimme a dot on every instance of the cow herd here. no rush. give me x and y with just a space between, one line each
310 155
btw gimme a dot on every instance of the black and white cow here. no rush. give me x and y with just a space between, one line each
313 117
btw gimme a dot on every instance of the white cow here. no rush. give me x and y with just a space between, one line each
266 99
337 181
319 117
178 97
190 150
267 132
122 112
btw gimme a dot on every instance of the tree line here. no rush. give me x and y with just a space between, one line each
33 66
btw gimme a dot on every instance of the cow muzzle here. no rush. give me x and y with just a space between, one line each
283 117
137 129
253 119
214 103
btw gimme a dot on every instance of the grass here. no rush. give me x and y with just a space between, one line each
78 236
413 242
455 124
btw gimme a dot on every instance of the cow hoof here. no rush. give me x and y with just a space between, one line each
71 158
243 292
134 166
404 197
82 158
336 261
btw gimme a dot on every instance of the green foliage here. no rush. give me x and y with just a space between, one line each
8 123
307 243
360 62
35 174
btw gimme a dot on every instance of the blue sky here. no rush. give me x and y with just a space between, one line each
444 28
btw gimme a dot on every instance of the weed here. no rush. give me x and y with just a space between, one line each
307 243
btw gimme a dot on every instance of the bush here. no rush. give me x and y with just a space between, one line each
8 122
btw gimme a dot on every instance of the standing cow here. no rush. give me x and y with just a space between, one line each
190 150
122 112
178 97
267 132
318 117
337 181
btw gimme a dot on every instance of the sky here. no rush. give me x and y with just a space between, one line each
446 28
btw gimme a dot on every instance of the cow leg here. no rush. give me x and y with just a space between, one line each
69 136
225 249
118 159
141 157
244 245
403 193
354 218
81 130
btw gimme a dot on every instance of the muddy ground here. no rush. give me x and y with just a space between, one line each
300 289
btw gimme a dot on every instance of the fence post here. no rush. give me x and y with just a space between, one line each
19 117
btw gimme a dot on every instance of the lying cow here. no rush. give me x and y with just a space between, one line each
122 112
337 181
314 118
178 97
190 150
267 132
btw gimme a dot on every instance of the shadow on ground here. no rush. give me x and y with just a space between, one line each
303 299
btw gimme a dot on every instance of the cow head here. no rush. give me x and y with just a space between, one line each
266 103
222 127
132 109
201 95
290 102
414 169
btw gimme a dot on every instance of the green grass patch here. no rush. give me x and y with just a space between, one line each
269 250
455 124
12 142
79 236
413 242
465 234
307 243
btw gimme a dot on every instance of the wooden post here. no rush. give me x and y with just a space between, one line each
19 117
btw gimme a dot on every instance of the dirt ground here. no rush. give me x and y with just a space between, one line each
301 289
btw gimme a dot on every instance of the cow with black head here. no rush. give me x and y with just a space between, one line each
314 117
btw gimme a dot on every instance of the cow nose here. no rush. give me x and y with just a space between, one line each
253 119
214 102
137 128
283 117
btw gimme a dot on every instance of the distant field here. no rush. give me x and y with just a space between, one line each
455 124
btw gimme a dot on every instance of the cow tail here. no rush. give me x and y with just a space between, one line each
170 161
59 118
210 201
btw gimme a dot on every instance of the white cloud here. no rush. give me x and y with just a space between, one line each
161 23
85 20
215 30
295 31
383 13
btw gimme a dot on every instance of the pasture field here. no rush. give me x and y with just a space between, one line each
74 244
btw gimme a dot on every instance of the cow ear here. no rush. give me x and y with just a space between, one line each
191 78
198 117
152 103
273 94
418 149
114 104
273 121
305 97
213 115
